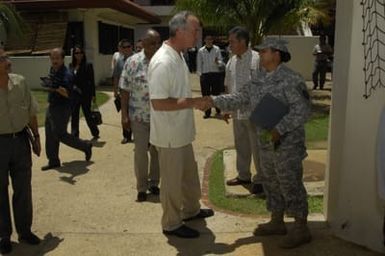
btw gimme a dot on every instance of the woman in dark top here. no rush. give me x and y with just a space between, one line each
84 91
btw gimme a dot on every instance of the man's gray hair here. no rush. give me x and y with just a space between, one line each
179 21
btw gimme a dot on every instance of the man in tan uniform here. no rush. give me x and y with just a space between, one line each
17 111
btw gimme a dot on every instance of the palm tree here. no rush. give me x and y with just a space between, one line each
261 17
10 20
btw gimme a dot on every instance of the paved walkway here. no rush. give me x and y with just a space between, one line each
90 209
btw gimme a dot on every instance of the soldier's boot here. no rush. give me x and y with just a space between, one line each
298 235
276 226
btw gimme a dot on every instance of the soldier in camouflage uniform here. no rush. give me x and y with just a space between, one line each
282 153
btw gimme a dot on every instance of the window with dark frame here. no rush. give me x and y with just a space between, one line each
110 35
74 36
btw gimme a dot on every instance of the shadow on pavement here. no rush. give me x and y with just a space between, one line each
323 243
98 144
75 169
313 170
48 244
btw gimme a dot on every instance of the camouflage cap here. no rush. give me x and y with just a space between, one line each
274 43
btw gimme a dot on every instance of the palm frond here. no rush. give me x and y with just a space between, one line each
259 16
12 21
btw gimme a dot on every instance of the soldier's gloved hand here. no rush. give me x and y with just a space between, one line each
275 136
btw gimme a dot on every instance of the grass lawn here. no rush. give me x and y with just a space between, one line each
317 128
41 97
245 205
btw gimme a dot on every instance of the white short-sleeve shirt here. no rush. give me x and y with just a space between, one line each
239 71
168 77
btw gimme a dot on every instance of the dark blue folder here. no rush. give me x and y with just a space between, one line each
268 112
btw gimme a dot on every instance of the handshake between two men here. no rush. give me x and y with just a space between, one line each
202 103
206 102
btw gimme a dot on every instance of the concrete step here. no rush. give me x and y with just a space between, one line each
314 173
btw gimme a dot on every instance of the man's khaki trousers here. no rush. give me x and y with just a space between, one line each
145 176
180 189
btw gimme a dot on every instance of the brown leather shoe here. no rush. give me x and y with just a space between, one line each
236 181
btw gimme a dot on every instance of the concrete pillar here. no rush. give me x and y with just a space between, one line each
353 207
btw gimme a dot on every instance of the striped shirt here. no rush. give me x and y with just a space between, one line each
239 71
60 78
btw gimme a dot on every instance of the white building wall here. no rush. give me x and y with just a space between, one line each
301 50
353 208
101 62
32 68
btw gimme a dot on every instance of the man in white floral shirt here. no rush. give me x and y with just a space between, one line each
136 114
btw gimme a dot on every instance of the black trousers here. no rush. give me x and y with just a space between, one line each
211 84
85 104
56 122
15 161
127 134
319 74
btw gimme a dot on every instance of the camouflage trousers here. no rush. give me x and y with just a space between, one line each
282 181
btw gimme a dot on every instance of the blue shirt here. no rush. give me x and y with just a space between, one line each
63 78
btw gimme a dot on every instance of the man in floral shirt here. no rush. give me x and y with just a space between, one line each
136 114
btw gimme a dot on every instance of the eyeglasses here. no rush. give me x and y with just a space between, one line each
126 46
78 53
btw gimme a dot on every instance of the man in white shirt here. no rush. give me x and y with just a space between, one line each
209 61
173 129
321 53
241 67
126 51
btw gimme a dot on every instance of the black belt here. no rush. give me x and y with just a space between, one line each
13 135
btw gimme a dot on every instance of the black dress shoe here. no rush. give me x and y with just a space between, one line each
50 166
5 246
30 238
203 213
88 151
124 141
95 138
182 232
154 190
142 196
236 181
